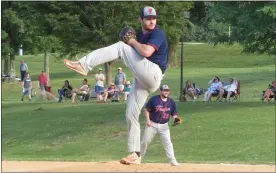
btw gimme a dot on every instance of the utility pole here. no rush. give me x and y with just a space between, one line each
182 97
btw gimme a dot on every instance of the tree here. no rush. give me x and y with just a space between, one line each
38 37
12 32
253 24
47 44
5 50
82 26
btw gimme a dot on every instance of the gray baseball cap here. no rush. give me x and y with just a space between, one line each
164 87
147 12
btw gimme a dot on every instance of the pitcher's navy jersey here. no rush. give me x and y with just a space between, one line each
158 40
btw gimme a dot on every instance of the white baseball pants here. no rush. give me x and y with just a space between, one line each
147 79
164 132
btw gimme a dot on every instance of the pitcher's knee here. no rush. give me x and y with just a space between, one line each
123 45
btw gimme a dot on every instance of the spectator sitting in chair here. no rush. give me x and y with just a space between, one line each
190 90
127 89
80 90
228 90
110 92
214 88
27 87
270 92
66 89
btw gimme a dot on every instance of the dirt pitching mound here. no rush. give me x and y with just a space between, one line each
114 166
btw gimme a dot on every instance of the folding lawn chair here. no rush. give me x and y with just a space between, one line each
237 96
84 95
199 91
214 97
67 95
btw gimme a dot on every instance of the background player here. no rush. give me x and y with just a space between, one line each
146 58
158 111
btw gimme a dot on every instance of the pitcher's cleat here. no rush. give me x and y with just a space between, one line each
175 164
75 66
131 159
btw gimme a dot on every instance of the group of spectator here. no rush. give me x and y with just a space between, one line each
222 90
123 87
216 88
120 86
42 84
26 82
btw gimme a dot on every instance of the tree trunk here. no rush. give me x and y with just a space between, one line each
172 57
12 67
6 65
46 66
108 72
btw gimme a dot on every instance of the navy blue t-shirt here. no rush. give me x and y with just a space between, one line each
160 111
158 40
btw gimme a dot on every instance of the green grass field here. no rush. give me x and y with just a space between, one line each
212 132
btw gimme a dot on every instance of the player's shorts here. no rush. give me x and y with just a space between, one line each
120 87
99 89
27 91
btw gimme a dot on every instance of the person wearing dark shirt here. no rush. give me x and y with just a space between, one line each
27 87
65 91
158 111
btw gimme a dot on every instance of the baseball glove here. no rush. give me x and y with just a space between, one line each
127 33
177 121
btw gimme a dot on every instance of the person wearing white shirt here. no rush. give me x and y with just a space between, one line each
214 88
99 86
229 90
82 89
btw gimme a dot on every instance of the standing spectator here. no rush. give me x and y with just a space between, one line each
23 69
127 89
27 87
120 80
99 86
42 83
215 86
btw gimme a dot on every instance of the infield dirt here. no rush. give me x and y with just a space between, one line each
115 166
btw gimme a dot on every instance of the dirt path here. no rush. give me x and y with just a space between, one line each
37 166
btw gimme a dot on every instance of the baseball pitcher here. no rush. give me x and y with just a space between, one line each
158 111
145 54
